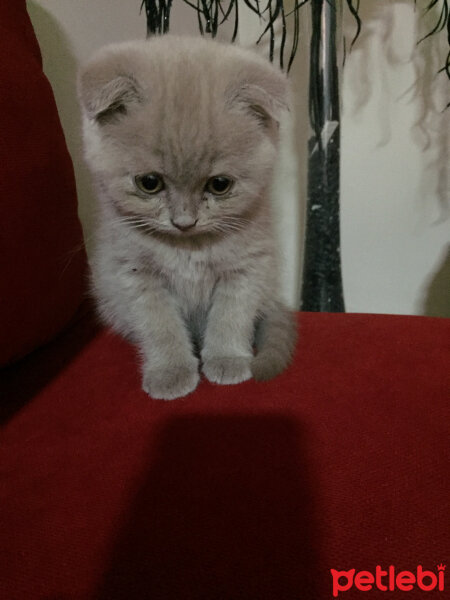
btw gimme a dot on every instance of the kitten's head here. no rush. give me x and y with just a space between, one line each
182 132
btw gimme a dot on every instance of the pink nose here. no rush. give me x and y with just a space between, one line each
183 224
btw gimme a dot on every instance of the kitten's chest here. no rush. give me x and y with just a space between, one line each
191 277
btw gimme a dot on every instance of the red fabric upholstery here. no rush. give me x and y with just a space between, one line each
253 491
41 257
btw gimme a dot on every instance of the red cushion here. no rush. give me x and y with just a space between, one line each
246 491
41 257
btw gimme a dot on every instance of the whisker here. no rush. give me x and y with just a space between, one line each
234 224
235 221
226 227
131 223
130 219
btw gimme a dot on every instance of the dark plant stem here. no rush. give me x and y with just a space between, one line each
322 280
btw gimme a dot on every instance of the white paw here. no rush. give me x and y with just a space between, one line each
170 383
227 370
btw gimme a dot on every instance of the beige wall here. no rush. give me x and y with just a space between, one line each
395 161
395 194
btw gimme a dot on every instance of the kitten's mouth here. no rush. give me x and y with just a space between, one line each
181 233
198 235
184 227
188 234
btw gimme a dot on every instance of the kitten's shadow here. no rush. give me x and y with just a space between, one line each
225 511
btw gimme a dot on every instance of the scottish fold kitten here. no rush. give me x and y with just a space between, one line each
181 136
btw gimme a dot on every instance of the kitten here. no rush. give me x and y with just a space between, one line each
181 135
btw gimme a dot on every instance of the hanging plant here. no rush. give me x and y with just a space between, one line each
211 14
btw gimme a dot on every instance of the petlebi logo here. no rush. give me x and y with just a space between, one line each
388 580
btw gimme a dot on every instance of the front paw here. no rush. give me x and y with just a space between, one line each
170 382
227 370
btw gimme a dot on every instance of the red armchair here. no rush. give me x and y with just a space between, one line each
263 491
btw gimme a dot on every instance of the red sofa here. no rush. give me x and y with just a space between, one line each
330 480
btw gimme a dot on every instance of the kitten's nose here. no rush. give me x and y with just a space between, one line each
184 223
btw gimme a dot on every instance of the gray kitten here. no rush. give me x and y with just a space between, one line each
181 135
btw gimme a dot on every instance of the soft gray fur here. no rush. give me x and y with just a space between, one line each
188 276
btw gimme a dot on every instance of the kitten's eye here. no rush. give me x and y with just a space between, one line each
219 185
150 183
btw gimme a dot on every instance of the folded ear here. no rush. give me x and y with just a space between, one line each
107 88
263 90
